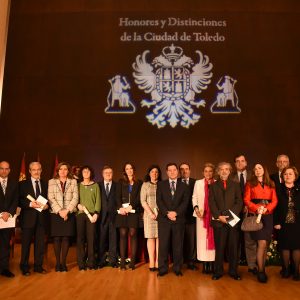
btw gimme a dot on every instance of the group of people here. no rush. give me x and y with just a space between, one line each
191 217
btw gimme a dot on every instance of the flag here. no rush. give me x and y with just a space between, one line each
55 165
22 175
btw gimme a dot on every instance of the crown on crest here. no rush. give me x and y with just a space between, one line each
172 53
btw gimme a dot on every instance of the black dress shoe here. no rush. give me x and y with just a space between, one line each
7 273
262 277
58 268
132 266
162 273
236 277
25 271
285 273
63 268
253 271
82 268
152 269
101 265
216 277
296 276
178 273
40 270
192 267
114 265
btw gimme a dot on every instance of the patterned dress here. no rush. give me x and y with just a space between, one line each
148 195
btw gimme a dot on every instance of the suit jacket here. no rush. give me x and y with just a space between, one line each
234 176
276 179
258 192
9 201
190 209
165 202
58 199
221 199
123 195
108 203
29 216
282 207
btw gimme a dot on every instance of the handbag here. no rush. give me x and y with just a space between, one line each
249 224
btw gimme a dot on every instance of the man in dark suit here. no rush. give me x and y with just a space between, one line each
107 228
225 195
282 162
33 222
189 245
172 197
247 246
8 206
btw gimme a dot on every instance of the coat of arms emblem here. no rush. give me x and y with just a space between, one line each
173 80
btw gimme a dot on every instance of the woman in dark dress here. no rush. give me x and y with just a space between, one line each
287 221
129 210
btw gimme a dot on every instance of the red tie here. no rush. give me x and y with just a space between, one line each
224 184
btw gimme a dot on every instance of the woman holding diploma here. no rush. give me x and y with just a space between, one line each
260 199
129 209
148 201
89 209
63 199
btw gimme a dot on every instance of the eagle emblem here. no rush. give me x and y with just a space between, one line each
173 80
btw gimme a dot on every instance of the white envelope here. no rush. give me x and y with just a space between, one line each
235 220
42 200
11 222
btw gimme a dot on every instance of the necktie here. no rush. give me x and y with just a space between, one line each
107 189
242 183
224 184
172 188
3 186
185 181
37 189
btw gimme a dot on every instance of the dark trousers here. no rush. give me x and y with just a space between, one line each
189 245
38 232
170 232
85 235
226 237
5 235
107 242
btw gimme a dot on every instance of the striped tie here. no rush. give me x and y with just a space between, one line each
3 186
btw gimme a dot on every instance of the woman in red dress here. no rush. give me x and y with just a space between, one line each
260 198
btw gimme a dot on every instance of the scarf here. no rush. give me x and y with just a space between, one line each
210 244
